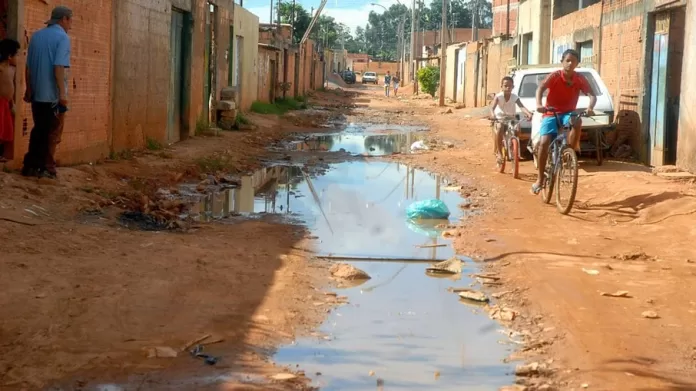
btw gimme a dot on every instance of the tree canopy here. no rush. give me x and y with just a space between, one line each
380 35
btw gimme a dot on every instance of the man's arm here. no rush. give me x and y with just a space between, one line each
494 104
27 82
588 91
61 62
540 91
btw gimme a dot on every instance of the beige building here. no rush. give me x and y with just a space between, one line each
534 32
244 57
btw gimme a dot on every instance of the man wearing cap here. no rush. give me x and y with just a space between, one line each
48 62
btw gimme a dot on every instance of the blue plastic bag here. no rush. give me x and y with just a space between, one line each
427 209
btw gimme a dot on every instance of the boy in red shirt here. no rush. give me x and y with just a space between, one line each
564 91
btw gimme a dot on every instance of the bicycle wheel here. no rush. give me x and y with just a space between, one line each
500 160
515 151
599 145
566 181
549 182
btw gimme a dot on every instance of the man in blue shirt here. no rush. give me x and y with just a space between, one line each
48 62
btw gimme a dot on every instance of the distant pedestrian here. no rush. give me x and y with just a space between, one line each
8 62
396 80
387 83
48 63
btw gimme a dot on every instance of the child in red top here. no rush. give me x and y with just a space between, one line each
8 62
564 91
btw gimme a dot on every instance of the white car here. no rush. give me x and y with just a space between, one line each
369 77
527 81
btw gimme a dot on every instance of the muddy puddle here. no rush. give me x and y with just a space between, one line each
402 328
361 139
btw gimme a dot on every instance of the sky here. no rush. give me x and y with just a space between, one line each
352 13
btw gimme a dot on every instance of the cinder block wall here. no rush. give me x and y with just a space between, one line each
500 16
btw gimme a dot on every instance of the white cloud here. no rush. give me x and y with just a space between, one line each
351 17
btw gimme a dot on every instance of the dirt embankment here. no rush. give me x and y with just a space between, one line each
84 300
629 231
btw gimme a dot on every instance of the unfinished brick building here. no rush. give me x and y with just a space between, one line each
141 69
637 46
505 17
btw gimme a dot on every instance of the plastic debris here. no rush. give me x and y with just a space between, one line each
428 209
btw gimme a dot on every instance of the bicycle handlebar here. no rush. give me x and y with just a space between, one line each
552 110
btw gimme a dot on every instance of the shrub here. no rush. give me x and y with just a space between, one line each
429 79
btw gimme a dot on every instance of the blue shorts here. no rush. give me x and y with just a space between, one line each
549 126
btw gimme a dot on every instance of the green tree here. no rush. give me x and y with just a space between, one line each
301 19
429 79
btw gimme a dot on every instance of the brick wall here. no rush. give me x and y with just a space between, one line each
500 17
266 57
87 124
579 26
381 67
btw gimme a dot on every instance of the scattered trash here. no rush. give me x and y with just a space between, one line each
197 352
348 272
427 209
194 342
371 373
514 387
431 245
419 146
591 272
584 385
161 352
650 315
450 266
469 294
616 294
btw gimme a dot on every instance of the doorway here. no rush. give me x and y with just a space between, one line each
274 81
665 86
210 61
178 56
9 29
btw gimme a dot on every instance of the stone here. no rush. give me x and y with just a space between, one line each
226 105
229 93
650 315
228 114
473 295
348 272
226 123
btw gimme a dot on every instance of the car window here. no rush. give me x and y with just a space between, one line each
531 82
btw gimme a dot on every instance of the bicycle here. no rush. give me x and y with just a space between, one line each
562 160
510 149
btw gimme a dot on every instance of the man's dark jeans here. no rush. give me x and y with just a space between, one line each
44 138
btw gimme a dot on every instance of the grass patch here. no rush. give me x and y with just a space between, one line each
241 119
213 163
280 107
202 127
126 154
153 145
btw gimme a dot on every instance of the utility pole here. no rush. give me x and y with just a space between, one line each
413 57
280 36
474 30
443 52
270 19
292 21
507 31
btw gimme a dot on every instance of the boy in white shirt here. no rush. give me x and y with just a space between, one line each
504 104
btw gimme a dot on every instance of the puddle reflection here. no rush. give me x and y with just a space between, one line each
360 144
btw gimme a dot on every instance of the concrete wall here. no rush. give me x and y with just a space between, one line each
141 72
87 124
532 19
498 59
471 86
686 146
246 25
377 66
451 72
266 56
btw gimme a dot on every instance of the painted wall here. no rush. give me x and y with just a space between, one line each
265 77
451 72
246 25
686 142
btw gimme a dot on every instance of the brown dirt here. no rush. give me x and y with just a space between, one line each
635 228
84 298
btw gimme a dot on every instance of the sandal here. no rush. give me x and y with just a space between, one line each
535 189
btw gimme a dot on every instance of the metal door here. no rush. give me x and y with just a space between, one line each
658 91
176 77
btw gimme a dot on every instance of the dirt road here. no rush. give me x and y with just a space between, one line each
85 300
629 231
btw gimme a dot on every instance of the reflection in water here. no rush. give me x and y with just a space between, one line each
401 324
369 144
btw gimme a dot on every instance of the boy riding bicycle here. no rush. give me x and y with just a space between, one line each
504 105
564 91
